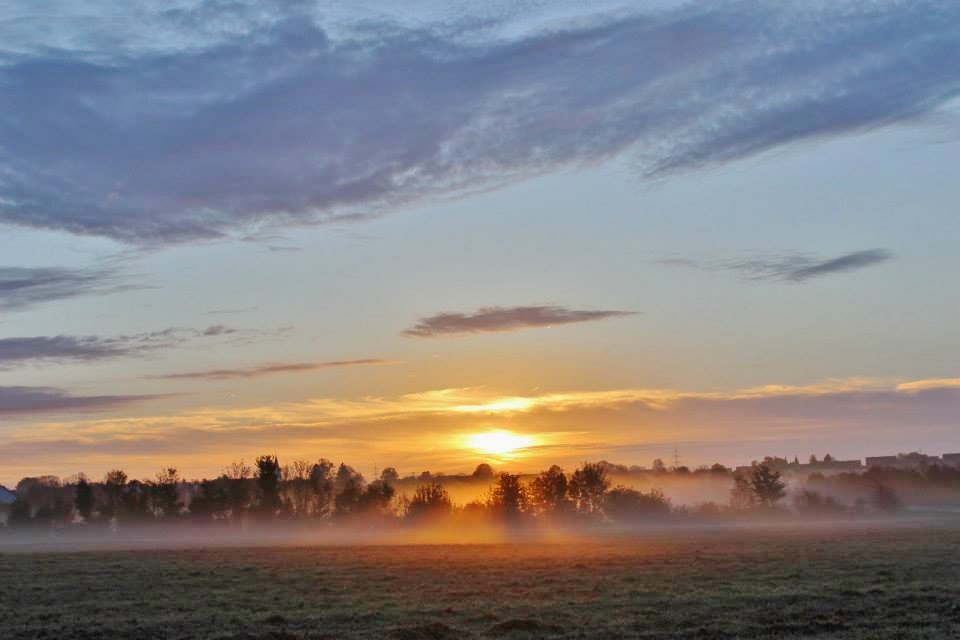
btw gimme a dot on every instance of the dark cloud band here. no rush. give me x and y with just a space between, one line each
33 400
272 369
23 287
794 268
496 319
14 351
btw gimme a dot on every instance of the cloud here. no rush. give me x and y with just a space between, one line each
34 400
218 330
279 120
794 269
23 287
271 369
496 319
927 385
15 351
848 262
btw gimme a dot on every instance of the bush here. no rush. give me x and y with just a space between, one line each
429 501
625 505
813 503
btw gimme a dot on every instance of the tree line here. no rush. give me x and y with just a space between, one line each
322 491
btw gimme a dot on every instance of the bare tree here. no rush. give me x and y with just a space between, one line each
588 484
766 485
238 476
741 495
509 498
164 494
548 491
83 498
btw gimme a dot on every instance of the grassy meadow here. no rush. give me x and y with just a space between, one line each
849 582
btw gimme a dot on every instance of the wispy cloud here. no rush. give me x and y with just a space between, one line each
497 319
842 413
284 121
15 351
792 268
272 369
35 400
23 287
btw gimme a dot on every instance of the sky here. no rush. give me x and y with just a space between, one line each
603 230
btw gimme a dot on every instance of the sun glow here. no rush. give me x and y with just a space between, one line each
499 442
502 405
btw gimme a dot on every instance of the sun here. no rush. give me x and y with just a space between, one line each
498 442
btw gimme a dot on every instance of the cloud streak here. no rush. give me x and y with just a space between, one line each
272 369
64 348
793 269
500 319
285 122
23 287
16 401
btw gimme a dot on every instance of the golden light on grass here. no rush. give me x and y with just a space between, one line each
499 442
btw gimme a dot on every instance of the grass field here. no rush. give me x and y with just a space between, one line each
840 583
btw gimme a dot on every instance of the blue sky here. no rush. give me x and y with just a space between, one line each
229 228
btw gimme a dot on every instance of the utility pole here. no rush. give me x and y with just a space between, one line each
676 458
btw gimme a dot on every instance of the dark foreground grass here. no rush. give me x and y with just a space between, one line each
837 583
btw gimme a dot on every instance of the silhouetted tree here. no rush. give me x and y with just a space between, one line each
766 485
659 466
136 500
483 472
114 484
375 499
741 495
346 473
548 491
268 485
508 499
429 501
212 500
298 492
347 500
164 494
43 493
588 484
238 477
83 498
390 476
323 485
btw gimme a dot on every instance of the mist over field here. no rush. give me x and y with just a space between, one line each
317 504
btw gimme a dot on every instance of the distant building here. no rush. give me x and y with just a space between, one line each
905 461
7 498
826 467
887 462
